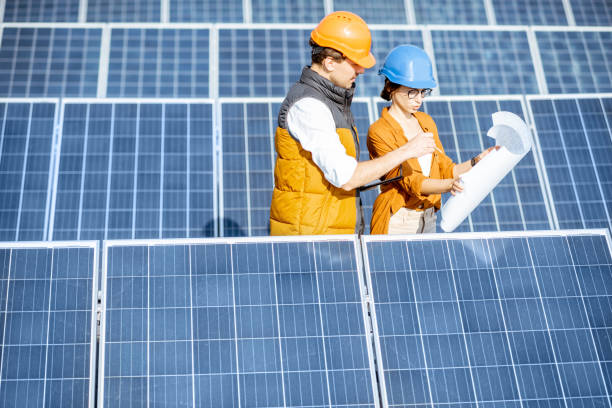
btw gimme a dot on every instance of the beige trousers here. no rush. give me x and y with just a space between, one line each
407 221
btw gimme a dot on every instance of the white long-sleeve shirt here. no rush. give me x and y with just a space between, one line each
312 124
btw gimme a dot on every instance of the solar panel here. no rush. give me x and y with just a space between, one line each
46 61
518 202
41 10
387 12
26 140
495 321
159 63
574 140
197 11
134 170
592 12
576 61
547 12
231 323
138 11
279 11
248 157
450 12
483 62
47 293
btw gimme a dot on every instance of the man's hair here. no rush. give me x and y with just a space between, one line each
388 89
319 53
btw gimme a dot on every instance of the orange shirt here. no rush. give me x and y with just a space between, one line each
385 135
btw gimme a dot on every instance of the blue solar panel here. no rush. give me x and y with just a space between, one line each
493 322
37 61
518 202
47 334
248 165
450 12
124 11
576 61
195 11
26 140
229 324
592 12
541 12
41 10
159 63
280 11
386 12
483 62
135 170
574 137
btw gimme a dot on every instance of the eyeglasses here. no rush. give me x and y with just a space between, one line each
412 93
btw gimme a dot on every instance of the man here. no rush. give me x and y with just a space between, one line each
317 173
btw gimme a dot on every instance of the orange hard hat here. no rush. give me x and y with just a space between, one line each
348 33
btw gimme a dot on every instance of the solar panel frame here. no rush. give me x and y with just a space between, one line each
138 102
575 199
454 151
93 301
109 244
445 238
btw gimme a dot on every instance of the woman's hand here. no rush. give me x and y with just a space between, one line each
455 186
485 152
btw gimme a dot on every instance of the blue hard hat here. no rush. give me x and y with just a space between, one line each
409 66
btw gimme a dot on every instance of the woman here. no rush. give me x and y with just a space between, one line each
408 206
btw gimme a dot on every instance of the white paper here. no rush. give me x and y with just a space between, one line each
512 134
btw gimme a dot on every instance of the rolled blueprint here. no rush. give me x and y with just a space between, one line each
512 134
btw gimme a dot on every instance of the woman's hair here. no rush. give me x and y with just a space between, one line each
388 89
320 53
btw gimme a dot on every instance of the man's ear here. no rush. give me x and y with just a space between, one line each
329 64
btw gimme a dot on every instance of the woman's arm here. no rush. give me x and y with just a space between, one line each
459 169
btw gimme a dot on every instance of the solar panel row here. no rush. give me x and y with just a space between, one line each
550 12
495 320
230 61
152 169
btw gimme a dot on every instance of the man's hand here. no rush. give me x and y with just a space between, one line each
420 145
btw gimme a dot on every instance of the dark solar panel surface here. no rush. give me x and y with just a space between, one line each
518 202
483 62
280 11
138 11
197 11
41 10
592 12
42 61
46 320
26 140
525 12
159 63
575 61
494 322
387 12
575 143
258 324
135 170
450 12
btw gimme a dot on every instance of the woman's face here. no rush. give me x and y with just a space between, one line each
409 100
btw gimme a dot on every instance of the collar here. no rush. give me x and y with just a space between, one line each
336 94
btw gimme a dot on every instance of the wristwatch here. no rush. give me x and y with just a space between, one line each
474 161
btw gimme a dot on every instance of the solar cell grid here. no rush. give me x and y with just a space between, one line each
251 323
592 12
197 11
548 12
159 63
135 170
574 138
138 11
41 10
279 11
494 321
47 331
388 12
483 62
450 12
26 139
49 61
576 61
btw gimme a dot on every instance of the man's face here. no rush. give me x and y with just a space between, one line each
345 73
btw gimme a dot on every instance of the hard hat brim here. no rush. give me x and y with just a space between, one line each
367 62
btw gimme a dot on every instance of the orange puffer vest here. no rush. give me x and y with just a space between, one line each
303 201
